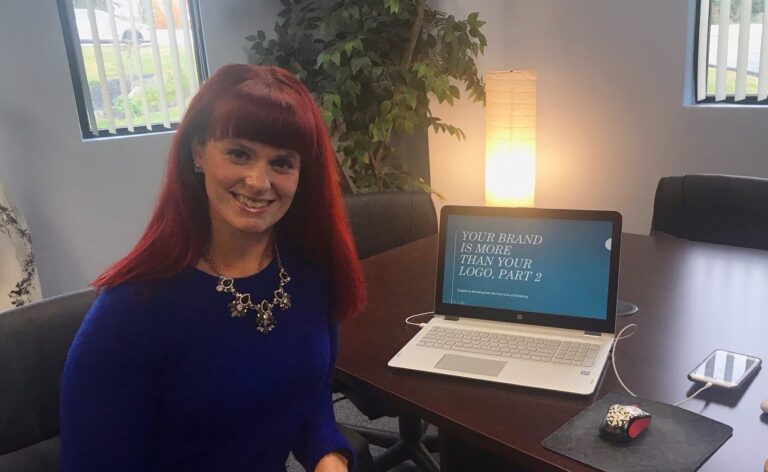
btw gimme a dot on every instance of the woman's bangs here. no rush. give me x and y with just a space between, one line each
268 116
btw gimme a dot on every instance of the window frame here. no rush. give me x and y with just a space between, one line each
749 100
79 80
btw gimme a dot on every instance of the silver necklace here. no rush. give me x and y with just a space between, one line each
265 320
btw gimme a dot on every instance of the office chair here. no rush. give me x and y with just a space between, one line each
379 222
34 341
722 209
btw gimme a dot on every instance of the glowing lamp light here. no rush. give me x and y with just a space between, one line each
510 138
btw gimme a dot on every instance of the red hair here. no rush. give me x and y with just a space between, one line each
255 103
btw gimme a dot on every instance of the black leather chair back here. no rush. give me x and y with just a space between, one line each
721 209
34 341
385 220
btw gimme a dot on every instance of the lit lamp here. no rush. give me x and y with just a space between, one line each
510 138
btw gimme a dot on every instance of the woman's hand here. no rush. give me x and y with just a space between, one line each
332 462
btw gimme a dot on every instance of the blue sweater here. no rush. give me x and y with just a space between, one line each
161 378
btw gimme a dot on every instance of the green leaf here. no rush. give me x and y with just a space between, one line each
336 57
349 46
392 5
358 63
347 53
327 117
332 100
321 59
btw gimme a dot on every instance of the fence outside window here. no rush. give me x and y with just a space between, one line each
135 64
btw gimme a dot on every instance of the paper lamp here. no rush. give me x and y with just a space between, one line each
510 138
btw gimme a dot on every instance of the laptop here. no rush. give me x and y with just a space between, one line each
523 296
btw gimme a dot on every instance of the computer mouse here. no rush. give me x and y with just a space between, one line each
624 422
764 405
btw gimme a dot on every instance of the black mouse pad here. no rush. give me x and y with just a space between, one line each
676 440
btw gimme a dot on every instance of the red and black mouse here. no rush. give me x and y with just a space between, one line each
624 422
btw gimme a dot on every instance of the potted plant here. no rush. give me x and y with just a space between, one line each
372 65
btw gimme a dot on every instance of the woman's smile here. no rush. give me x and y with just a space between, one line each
252 205
250 185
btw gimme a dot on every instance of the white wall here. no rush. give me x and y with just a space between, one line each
86 203
610 115
610 121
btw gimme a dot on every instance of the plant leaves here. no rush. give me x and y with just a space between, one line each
358 63
348 53
336 57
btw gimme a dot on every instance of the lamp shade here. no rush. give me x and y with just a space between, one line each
510 138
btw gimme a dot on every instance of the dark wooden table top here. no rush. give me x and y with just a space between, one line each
693 298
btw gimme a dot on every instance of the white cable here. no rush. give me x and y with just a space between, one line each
706 386
408 319
615 371
613 354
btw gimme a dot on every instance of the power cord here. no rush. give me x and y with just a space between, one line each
613 354
706 386
409 322
615 370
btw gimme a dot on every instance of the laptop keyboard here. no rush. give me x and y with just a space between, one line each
512 346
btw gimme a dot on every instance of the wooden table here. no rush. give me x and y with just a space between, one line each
693 298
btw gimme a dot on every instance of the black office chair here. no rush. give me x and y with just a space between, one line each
34 341
722 209
382 221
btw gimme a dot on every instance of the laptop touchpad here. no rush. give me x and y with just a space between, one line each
470 365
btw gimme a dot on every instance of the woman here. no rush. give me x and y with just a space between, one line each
212 343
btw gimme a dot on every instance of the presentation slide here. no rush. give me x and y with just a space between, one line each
558 267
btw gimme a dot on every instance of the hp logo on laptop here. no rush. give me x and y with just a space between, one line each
519 317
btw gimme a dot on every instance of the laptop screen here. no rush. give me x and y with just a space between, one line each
547 264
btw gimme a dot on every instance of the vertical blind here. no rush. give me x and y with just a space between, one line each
732 51
136 61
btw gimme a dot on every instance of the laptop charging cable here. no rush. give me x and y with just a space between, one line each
616 371
409 322
613 354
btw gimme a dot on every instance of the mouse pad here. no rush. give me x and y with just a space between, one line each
676 440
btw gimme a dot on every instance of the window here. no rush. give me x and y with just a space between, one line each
135 64
732 53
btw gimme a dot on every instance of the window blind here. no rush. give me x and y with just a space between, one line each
732 51
137 60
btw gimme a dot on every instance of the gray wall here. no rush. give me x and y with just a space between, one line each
86 203
610 121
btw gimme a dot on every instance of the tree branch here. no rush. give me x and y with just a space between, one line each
344 181
414 37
